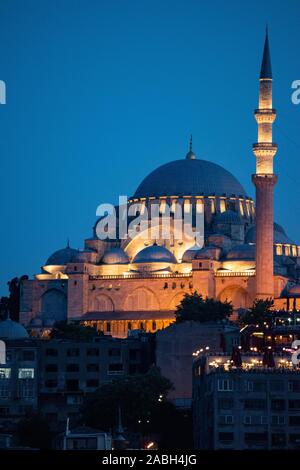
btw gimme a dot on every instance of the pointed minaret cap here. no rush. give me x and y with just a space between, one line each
266 69
190 155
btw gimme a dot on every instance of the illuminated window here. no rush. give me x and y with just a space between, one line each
26 373
187 206
279 250
248 208
5 373
294 250
213 206
222 205
199 206
287 250
162 206
241 208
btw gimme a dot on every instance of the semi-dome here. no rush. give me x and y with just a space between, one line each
154 254
279 235
61 257
190 254
190 177
294 291
115 255
228 217
209 252
242 252
10 329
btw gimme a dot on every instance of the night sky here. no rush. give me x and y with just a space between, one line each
99 93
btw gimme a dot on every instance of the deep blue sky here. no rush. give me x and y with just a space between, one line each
100 92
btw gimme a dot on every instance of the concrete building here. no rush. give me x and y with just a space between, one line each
252 406
54 376
70 370
176 345
83 438
18 375
120 284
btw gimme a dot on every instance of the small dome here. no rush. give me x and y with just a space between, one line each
294 291
190 254
279 235
242 252
61 257
154 254
228 217
115 256
208 252
10 329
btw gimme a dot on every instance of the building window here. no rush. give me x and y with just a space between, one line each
108 327
278 405
26 373
153 325
92 383
277 386
247 420
254 404
72 368
73 352
293 420
115 369
129 326
277 420
225 404
225 385
256 437
5 373
114 352
72 385
92 352
134 354
51 352
51 383
294 386
278 440
226 419
28 355
226 437
92 367
51 368
294 405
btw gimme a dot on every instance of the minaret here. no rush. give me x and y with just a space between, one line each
264 180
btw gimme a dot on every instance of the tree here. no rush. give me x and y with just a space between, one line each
11 305
73 331
259 313
139 397
194 307
4 307
33 431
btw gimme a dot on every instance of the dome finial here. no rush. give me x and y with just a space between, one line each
190 155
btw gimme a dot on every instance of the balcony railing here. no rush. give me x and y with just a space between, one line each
235 274
140 276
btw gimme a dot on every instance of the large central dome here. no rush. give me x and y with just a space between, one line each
190 177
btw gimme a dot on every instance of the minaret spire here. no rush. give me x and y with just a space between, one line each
264 180
266 68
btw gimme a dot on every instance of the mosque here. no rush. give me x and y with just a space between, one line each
125 284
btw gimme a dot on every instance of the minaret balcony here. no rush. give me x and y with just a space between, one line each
264 149
265 115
